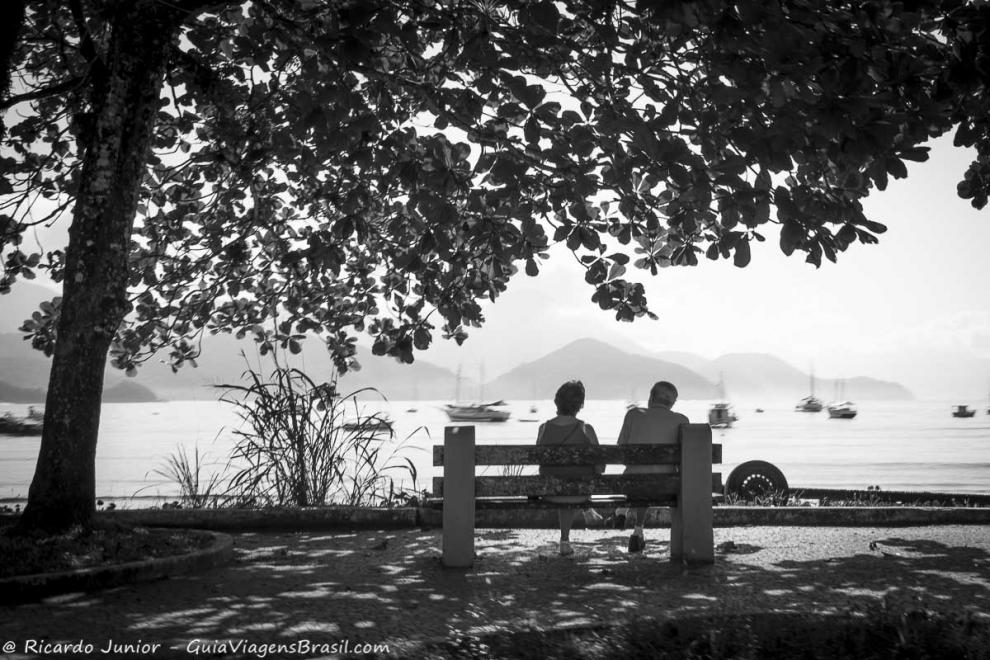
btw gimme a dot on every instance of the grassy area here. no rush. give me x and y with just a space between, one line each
25 555
874 634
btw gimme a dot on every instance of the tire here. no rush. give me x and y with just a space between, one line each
755 479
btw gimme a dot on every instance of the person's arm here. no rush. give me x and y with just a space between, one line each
589 432
539 434
626 429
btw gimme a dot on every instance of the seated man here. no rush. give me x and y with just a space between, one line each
655 425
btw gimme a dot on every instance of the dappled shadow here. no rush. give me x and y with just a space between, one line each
390 586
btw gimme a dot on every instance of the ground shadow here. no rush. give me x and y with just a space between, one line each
390 586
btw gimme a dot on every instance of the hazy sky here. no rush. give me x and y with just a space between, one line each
912 308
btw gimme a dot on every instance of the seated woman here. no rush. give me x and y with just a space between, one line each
567 429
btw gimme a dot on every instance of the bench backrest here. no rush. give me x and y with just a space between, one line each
654 487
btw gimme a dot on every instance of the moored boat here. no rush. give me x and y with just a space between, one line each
810 403
721 415
963 411
476 412
10 425
840 407
842 410
370 424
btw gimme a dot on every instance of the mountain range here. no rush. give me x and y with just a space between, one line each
607 371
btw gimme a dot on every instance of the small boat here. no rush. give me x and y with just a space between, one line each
10 425
840 407
476 412
759 410
721 416
842 410
810 403
373 423
963 411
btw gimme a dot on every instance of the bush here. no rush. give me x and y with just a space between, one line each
296 447
880 632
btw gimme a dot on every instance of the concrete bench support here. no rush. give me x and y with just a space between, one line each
458 499
692 539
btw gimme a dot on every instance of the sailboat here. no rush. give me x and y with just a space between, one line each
840 407
721 415
474 412
810 403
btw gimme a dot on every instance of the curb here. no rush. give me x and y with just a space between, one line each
306 519
23 588
358 518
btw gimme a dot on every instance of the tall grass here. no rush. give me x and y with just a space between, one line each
195 491
299 446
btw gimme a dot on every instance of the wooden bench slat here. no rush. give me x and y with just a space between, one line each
638 486
483 503
551 455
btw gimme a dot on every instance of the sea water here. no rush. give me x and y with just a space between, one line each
905 445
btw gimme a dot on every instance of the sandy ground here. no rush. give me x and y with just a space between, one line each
389 587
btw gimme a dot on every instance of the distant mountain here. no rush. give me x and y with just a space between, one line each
758 375
128 392
221 362
607 373
12 394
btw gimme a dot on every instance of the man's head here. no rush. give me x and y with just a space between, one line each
663 393
569 398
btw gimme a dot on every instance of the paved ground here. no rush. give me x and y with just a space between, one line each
389 587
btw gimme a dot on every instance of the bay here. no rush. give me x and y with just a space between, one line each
912 445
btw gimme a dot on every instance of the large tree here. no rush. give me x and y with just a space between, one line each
284 167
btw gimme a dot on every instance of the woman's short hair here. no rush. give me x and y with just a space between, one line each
569 398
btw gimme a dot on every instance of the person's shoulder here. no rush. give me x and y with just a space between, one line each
635 412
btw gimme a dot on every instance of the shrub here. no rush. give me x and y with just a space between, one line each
296 446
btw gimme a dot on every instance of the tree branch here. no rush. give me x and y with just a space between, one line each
64 86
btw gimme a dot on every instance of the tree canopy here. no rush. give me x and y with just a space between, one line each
352 165
283 167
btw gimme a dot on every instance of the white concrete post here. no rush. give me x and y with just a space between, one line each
692 537
458 496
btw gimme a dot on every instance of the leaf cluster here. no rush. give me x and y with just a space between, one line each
370 167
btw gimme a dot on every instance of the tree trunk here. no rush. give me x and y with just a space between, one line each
94 300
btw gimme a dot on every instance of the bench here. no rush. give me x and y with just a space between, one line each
688 491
